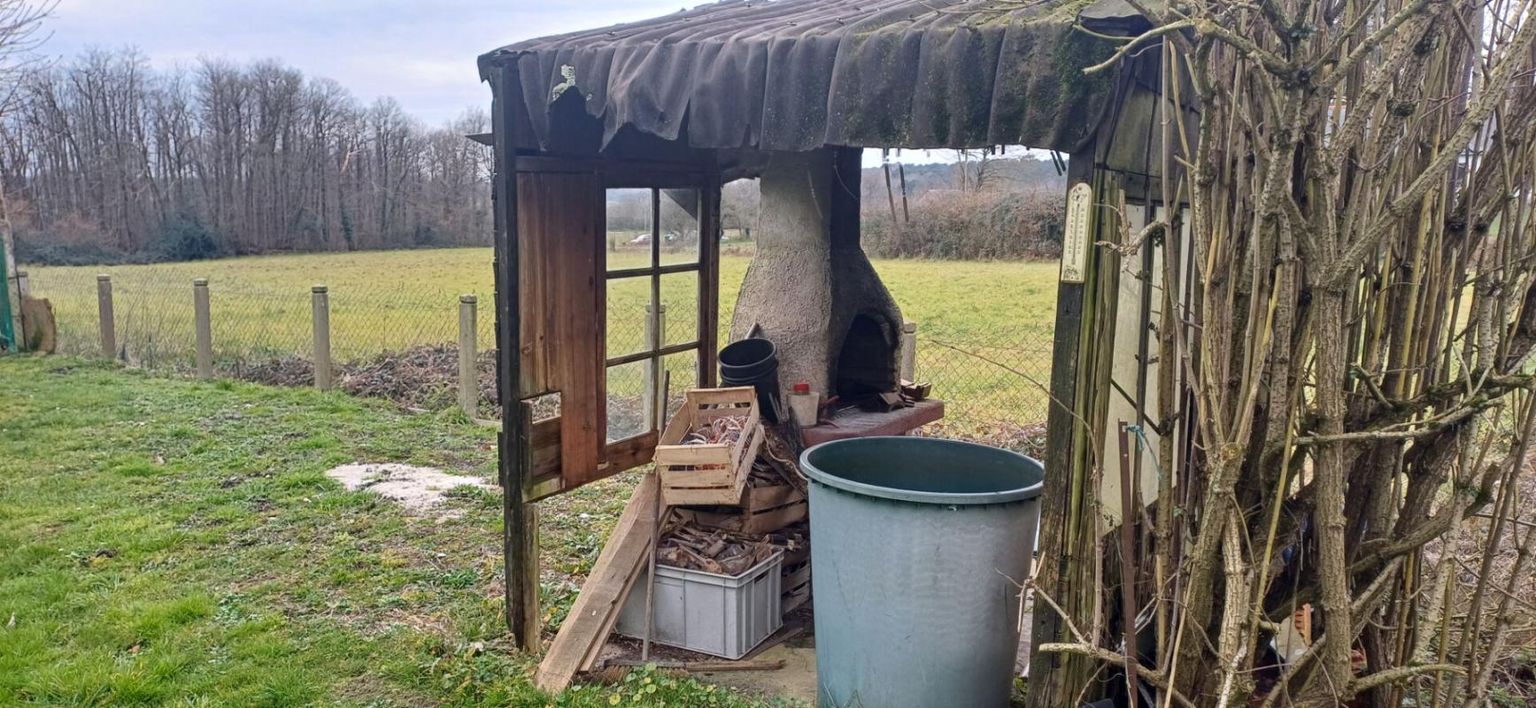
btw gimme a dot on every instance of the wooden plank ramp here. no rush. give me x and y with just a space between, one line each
592 616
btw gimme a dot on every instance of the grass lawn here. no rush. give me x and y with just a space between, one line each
972 316
175 542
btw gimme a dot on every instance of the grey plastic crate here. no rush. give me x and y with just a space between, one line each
719 615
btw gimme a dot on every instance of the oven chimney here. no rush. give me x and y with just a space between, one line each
810 287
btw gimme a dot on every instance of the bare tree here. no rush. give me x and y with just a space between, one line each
115 157
1354 358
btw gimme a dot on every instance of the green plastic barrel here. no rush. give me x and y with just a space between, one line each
919 549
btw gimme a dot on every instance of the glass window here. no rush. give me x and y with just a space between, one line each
679 232
653 338
630 228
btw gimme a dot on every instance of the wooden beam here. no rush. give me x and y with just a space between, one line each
544 477
709 283
1055 499
520 554
596 609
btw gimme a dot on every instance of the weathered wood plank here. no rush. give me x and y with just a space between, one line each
520 554
546 480
596 609
560 236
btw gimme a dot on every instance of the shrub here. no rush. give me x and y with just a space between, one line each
987 225
185 238
38 249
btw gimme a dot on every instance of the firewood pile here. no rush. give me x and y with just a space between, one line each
770 473
686 545
717 538
712 551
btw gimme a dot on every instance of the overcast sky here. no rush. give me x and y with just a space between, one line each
421 52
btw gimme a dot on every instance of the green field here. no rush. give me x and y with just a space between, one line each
967 313
171 542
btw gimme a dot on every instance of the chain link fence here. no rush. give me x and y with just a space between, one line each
394 327
995 384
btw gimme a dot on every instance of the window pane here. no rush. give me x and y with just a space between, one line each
626 400
628 302
682 375
629 228
679 226
680 295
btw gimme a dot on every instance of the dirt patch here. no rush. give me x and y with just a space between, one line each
422 377
419 377
419 489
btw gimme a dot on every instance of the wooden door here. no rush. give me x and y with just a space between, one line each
560 236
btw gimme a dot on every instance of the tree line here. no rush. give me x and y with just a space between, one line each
105 158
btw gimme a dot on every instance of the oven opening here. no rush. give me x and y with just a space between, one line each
866 364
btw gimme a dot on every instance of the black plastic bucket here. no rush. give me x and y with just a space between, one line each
753 362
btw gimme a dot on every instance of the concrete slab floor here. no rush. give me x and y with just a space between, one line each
795 684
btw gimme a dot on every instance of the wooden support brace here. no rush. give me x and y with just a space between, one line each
596 609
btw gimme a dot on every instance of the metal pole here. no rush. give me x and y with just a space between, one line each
204 322
104 310
320 303
655 334
469 379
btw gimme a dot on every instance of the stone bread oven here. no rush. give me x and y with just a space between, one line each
810 287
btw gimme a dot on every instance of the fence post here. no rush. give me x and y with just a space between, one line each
204 322
104 309
320 303
909 350
23 284
650 398
469 375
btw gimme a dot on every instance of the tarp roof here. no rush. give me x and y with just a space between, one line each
799 74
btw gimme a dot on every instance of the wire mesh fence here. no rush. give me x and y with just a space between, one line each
394 327
995 384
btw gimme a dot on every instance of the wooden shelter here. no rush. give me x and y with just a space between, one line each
792 90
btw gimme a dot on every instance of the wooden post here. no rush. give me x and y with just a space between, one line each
204 325
655 338
1055 678
104 310
520 525
909 351
469 378
320 304
709 286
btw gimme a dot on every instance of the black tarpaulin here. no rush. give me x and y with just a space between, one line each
799 74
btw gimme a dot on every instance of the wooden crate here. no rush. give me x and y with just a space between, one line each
763 510
795 584
714 474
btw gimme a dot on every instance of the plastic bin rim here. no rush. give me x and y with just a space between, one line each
909 495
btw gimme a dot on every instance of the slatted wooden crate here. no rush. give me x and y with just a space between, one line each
763 510
715 473
795 585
